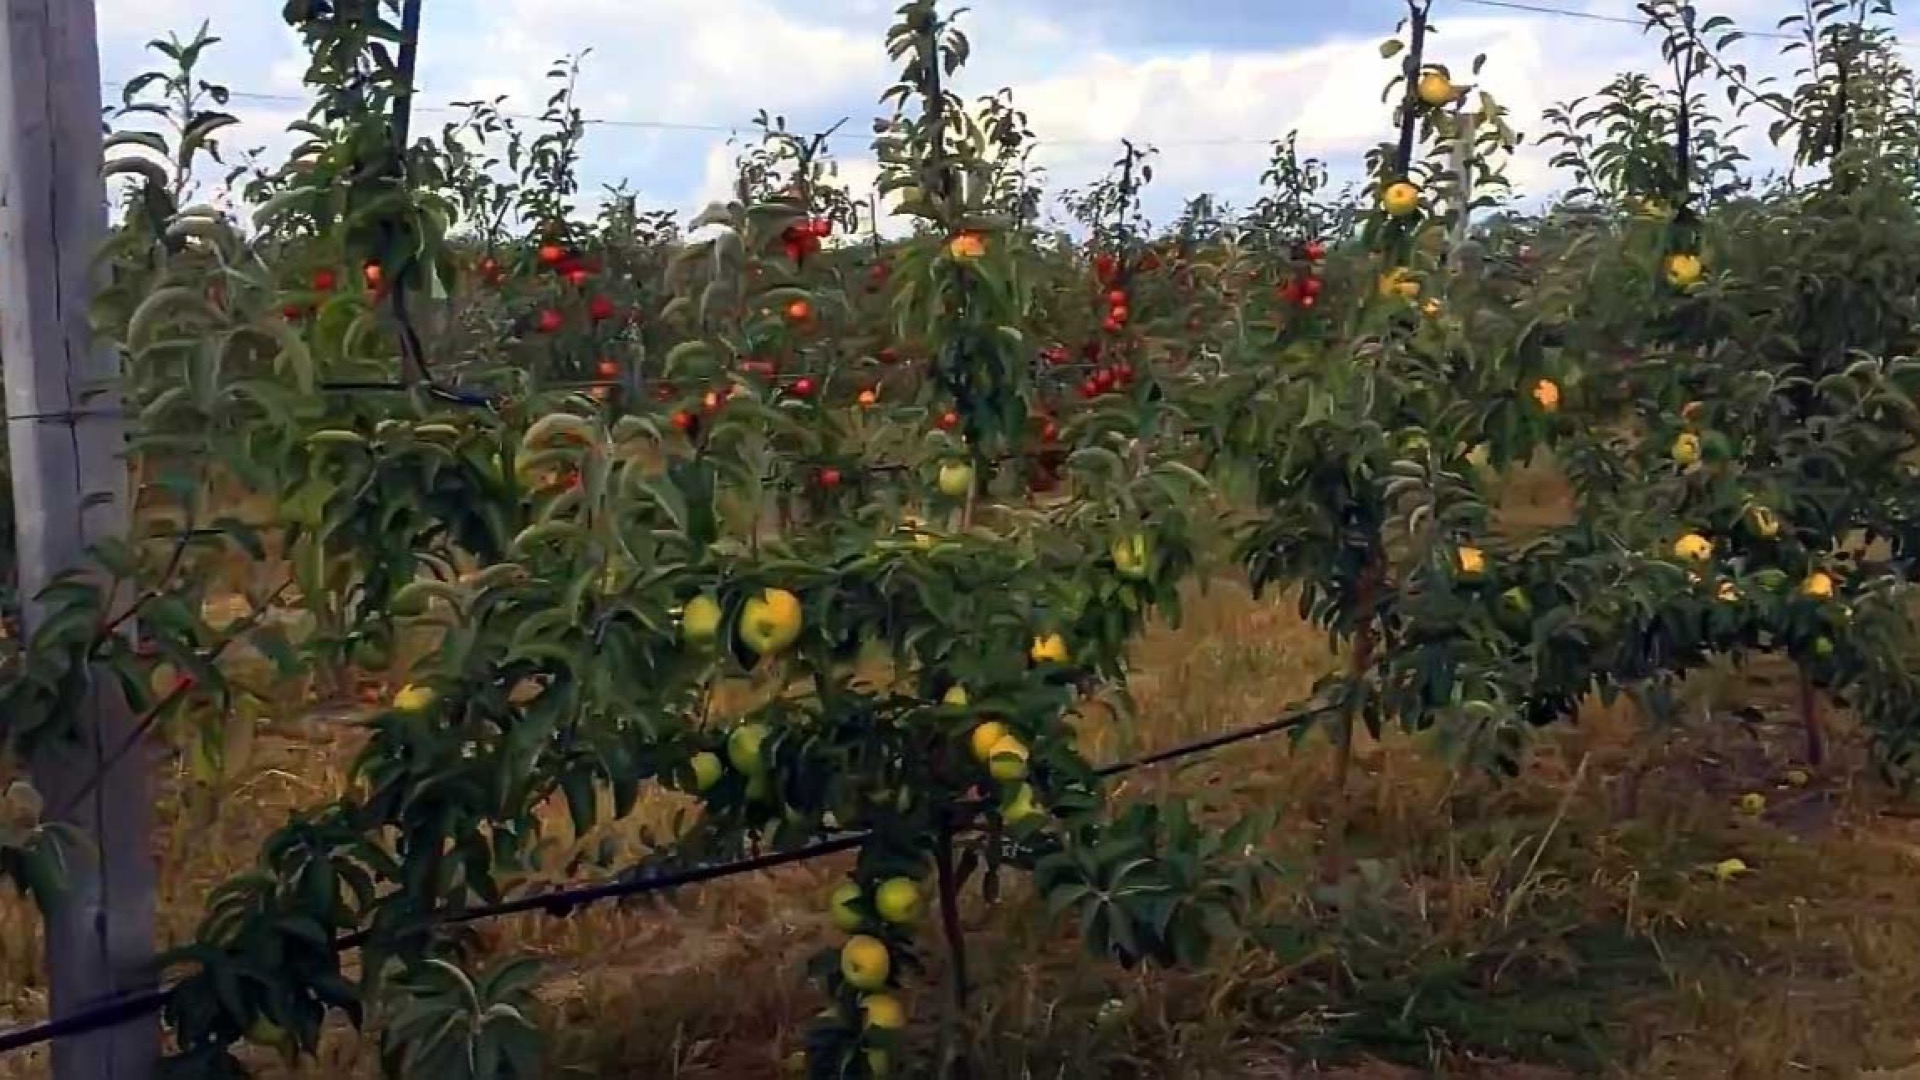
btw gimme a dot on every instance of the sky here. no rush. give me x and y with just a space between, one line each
1209 83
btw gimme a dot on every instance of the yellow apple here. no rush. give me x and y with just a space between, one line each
1683 270
1400 199
1050 649
1471 562
883 1011
865 963
770 622
1686 448
1693 548
413 699
1435 89
982 741
898 900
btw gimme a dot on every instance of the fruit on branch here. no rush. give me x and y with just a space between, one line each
323 281
552 255
1019 804
707 769
1693 548
1400 282
898 901
1683 269
1728 869
1007 760
700 622
1470 563
956 697
984 738
600 309
947 421
414 699
1547 393
1763 521
1686 448
1400 198
549 321
1435 89
1049 649
1818 585
770 622
744 749
799 312
883 1012
843 909
829 478
865 962
1130 556
955 479
1515 601
967 245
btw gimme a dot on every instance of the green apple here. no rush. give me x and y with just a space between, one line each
700 623
1019 805
956 479
707 768
898 900
1130 556
743 749
841 906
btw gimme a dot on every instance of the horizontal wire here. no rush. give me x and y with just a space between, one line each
564 902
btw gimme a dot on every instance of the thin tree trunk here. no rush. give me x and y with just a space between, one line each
1812 721
1333 865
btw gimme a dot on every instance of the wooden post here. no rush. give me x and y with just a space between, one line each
1466 123
70 490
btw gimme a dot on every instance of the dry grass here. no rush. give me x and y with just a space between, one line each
1557 925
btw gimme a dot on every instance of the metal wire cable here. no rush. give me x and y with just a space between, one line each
565 901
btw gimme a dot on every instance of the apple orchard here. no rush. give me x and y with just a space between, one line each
834 535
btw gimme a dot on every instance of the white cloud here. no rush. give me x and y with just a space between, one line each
692 65
711 61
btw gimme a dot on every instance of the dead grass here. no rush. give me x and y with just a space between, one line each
1558 925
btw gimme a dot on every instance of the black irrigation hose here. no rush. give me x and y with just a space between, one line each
563 902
